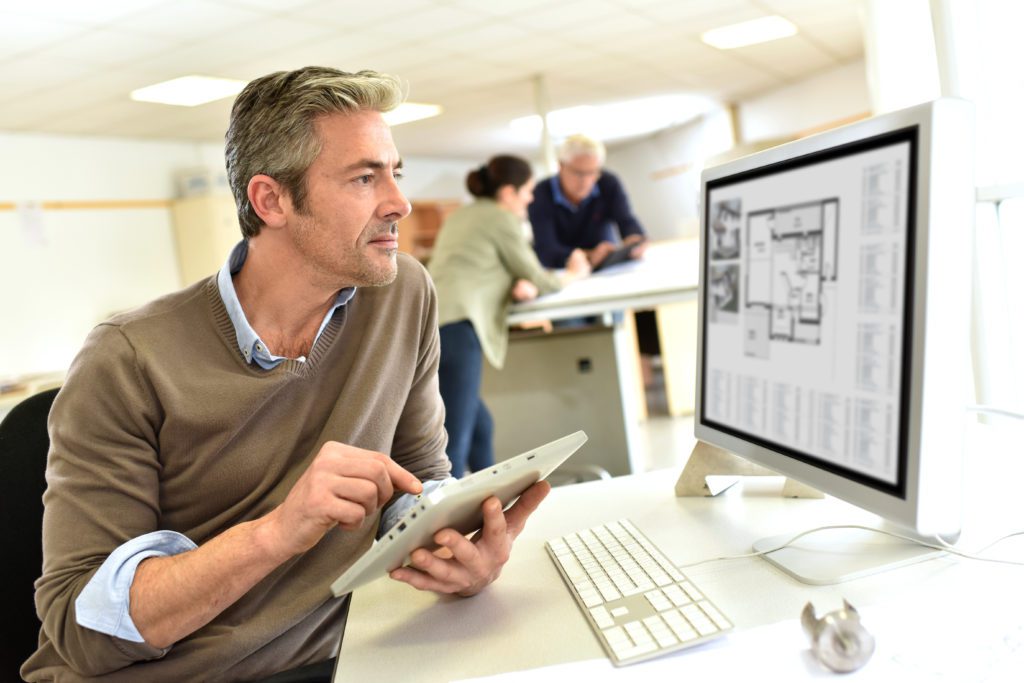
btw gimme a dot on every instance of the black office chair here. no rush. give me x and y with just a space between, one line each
24 443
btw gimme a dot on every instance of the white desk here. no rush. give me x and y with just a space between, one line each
667 273
588 378
528 619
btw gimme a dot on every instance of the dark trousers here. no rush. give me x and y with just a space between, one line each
467 420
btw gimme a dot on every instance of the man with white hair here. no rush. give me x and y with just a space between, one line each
577 207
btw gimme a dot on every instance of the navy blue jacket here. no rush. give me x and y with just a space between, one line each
558 228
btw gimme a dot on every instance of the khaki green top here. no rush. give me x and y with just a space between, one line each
480 252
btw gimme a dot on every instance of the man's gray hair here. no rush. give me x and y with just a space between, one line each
272 128
580 145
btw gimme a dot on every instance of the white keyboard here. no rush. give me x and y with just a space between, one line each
637 602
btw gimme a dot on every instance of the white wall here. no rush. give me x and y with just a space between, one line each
63 271
662 172
829 96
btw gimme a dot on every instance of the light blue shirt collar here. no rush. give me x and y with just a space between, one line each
560 198
249 343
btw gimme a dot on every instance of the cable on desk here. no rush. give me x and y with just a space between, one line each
995 410
941 545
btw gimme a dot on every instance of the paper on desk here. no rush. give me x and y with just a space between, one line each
946 645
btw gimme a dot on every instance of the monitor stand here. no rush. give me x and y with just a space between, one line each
822 558
711 470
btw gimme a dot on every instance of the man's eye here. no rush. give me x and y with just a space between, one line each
364 179
399 175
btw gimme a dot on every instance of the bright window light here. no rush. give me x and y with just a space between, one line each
188 91
411 111
617 120
749 33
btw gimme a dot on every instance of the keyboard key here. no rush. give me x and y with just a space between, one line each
658 600
591 598
677 596
638 633
691 591
698 620
617 636
601 617
715 615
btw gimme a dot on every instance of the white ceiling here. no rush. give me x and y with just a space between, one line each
67 66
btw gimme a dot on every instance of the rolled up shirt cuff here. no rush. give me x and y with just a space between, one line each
404 503
103 603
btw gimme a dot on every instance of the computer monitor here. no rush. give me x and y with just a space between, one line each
834 304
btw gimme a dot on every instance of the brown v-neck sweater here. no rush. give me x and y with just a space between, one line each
161 424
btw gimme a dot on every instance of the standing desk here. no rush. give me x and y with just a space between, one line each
528 619
588 377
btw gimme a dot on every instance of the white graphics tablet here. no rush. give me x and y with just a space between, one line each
455 506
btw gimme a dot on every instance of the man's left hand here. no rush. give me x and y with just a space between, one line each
465 566
640 245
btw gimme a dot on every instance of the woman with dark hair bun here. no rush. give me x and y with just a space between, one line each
481 262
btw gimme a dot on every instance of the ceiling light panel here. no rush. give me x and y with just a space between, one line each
749 32
188 91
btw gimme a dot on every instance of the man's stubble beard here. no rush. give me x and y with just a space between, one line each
355 268
378 278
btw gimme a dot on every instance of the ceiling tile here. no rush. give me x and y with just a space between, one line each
190 20
539 53
19 34
406 62
693 17
791 57
346 14
105 47
275 6
790 7
487 40
249 41
841 38
90 13
42 71
435 21
557 16
609 30
502 9
349 51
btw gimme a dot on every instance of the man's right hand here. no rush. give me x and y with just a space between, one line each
600 253
172 596
341 487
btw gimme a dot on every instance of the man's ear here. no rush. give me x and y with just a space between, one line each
268 200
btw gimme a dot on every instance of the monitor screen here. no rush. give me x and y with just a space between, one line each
810 282
834 311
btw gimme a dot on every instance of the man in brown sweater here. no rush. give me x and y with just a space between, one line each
219 456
